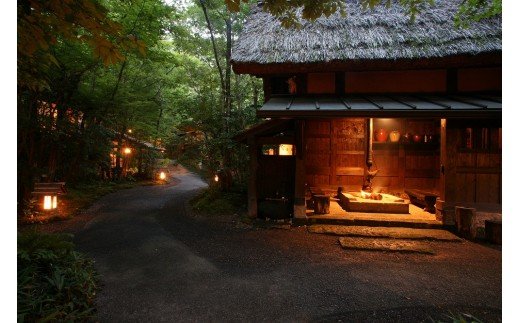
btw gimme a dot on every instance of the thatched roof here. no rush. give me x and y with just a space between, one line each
382 33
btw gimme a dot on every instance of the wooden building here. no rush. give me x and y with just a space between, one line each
333 84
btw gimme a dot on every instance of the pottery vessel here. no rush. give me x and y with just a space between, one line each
381 135
395 136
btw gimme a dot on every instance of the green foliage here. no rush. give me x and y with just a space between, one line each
475 10
460 318
55 283
213 201
43 25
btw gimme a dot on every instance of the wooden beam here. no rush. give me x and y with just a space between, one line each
252 195
275 140
457 61
354 171
267 88
452 80
443 160
300 209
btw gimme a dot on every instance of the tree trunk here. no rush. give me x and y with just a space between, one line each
214 45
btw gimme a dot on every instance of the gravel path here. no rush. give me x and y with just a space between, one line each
160 263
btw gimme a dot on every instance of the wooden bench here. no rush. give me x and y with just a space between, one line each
423 198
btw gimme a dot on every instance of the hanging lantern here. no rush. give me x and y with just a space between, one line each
216 178
127 151
162 176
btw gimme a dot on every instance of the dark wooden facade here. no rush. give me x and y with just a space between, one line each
461 160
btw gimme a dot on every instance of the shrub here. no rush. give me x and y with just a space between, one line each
212 201
55 283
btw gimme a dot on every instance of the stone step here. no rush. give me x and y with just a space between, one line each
390 245
412 223
385 232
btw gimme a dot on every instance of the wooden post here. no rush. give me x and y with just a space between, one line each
267 88
443 160
252 196
449 160
370 143
299 179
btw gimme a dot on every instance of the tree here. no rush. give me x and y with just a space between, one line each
285 10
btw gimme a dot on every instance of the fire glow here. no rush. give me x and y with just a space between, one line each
370 196
162 176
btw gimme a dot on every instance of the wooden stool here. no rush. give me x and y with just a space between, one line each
321 204
494 231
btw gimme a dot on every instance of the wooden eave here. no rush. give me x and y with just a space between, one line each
267 126
474 105
491 59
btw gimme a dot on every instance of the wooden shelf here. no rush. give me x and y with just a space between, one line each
407 146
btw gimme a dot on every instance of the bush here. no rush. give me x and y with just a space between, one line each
212 201
55 283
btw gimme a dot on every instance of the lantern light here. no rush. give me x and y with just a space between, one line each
47 202
127 151
129 130
216 178
285 150
50 202
162 176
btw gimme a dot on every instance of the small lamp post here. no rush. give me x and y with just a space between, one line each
50 202
48 194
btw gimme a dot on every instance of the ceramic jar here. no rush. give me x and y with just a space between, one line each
381 135
395 136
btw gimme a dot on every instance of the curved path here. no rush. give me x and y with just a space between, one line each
158 263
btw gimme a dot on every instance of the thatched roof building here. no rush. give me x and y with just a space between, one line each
382 34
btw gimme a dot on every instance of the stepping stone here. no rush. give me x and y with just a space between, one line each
394 245
385 232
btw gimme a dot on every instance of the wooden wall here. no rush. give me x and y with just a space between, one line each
275 177
405 81
335 152
473 174
396 81
335 155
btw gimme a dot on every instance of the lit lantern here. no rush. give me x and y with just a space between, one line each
285 150
162 176
129 130
50 202
271 152
127 151
216 178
